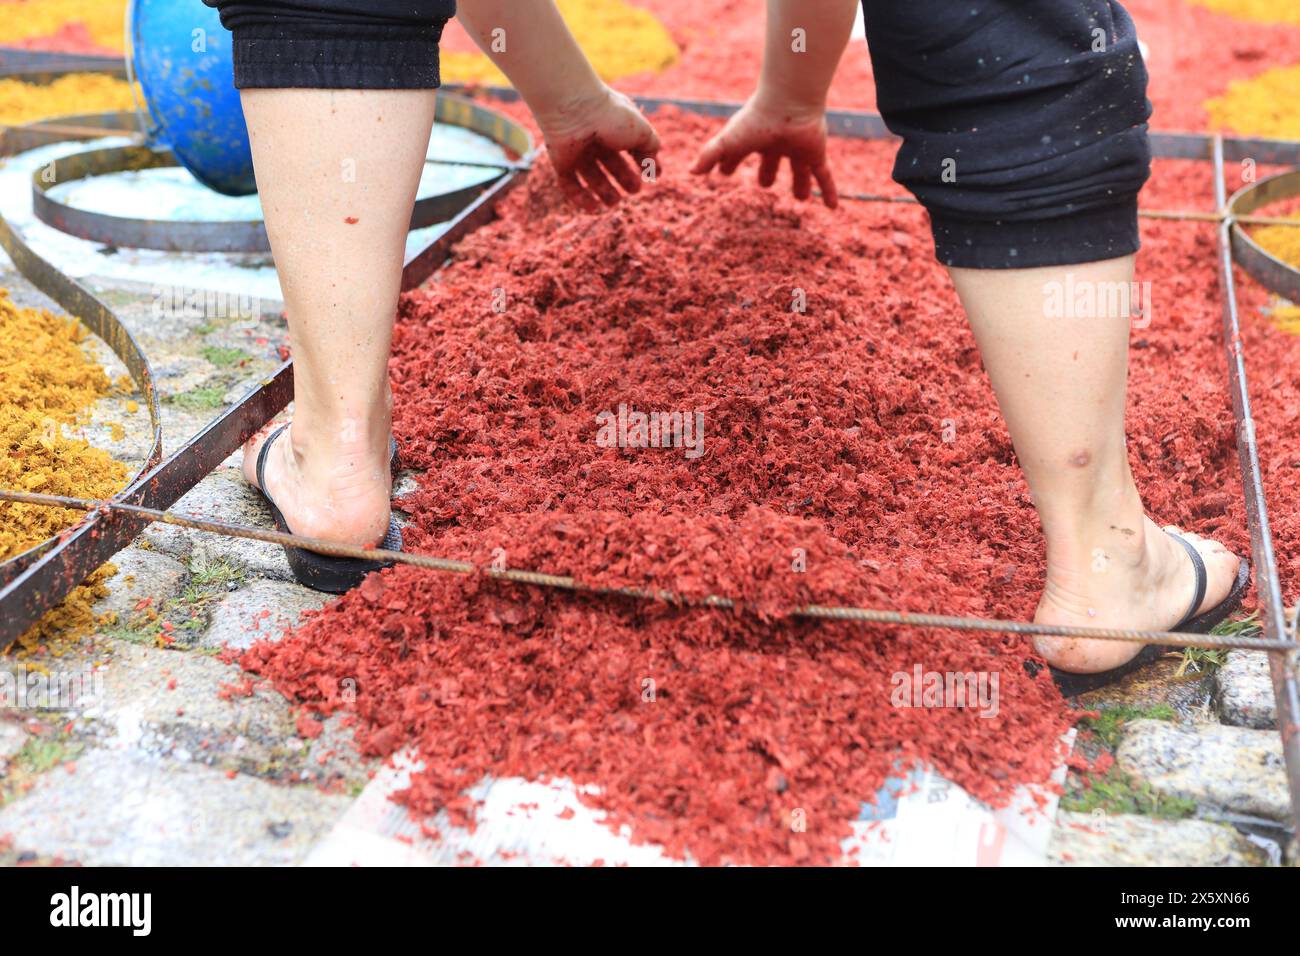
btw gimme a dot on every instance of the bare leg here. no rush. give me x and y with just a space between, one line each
1061 385
337 171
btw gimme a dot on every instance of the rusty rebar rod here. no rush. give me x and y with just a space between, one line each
565 582
1268 584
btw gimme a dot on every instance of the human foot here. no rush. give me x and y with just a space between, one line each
1131 577
334 489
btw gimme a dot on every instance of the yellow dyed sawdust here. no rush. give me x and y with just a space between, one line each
1283 242
104 20
75 93
1266 105
47 387
1262 11
1287 318
618 38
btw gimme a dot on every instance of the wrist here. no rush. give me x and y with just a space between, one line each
780 103
566 108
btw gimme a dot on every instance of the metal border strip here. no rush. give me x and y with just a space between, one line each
247 236
1268 270
80 302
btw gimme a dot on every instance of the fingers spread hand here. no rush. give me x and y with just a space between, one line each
731 159
708 157
648 144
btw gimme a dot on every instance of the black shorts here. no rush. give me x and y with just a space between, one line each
1024 122
336 44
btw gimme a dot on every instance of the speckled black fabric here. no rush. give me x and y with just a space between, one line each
1024 125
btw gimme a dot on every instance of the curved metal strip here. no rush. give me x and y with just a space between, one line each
43 66
132 232
1270 271
248 235
83 548
81 303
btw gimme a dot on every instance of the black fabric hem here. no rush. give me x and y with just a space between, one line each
273 59
1093 235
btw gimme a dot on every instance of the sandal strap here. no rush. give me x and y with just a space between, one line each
261 458
1202 578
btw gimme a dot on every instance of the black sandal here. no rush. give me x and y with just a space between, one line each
321 571
1072 685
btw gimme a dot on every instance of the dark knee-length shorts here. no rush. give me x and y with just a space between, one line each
1023 122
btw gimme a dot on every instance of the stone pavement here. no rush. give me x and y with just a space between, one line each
1198 777
151 762
156 764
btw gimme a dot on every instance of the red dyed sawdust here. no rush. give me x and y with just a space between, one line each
1273 367
72 37
823 432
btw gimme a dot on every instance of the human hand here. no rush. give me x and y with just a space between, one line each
775 131
587 139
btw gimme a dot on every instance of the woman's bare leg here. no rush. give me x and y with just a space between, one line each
1061 385
337 171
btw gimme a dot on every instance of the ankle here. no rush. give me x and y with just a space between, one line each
1094 541
323 418
319 436
340 469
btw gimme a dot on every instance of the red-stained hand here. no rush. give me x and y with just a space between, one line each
587 142
775 133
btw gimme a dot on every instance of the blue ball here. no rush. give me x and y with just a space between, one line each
182 58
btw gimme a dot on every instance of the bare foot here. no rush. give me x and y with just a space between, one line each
1141 578
326 488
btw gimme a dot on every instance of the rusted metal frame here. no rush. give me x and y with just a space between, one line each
479 213
1268 586
129 231
19 139
44 66
82 549
179 235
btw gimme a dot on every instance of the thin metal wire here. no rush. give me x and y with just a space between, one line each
564 582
